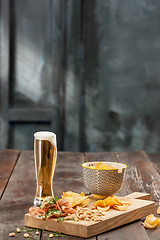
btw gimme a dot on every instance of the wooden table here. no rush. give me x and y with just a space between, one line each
17 188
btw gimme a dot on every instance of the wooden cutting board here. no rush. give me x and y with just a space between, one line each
140 206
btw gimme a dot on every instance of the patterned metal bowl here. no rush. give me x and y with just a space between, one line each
103 182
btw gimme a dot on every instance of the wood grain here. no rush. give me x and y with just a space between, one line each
18 196
155 159
125 190
8 159
132 231
68 173
141 174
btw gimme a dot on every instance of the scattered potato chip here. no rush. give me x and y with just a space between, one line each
71 200
151 221
68 194
121 208
76 198
158 209
113 202
85 202
147 225
100 203
104 209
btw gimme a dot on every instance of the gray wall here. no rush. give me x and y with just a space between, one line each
88 70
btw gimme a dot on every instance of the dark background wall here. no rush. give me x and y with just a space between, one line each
88 70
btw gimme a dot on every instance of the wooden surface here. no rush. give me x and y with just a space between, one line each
18 192
8 160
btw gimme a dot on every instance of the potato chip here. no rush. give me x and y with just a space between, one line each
147 225
99 196
107 167
158 209
71 200
104 209
113 202
121 208
85 202
68 194
82 194
100 203
75 198
103 166
151 221
99 165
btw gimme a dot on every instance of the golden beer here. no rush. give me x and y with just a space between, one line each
45 154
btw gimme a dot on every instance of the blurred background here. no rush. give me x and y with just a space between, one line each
88 70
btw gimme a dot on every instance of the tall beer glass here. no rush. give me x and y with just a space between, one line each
45 155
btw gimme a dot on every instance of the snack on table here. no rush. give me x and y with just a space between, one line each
52 207
72 206
151 222
103 178
158 209
86 214
111 202
76 199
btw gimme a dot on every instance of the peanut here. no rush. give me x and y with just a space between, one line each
18 230
26 235
51 235
12 234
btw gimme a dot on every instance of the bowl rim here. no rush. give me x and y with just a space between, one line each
125 166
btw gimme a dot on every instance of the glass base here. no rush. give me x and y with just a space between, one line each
37 202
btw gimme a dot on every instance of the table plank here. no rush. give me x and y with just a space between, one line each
8 159
155 159
68 176
18 196
68 173
142 176
130 230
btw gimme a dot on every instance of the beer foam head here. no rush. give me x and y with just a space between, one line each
44 135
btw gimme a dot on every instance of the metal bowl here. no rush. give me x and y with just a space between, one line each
103 182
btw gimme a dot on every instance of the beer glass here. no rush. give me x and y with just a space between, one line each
45 155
